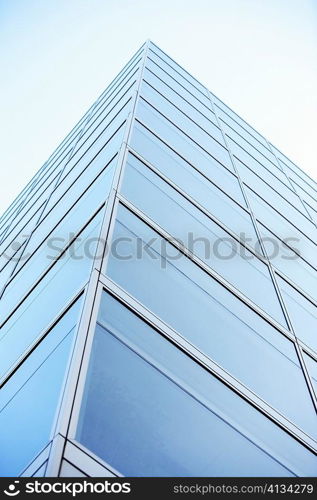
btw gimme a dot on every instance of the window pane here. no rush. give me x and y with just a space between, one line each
97 156
28 401
182 76
186 119
256 164
104 118
264 189
200 235
312 368
181 90
181 418
181 142
64 279
302 312
263 155
192 178
239 120
283 228
70 225
64 198
209 317
289 263
241 133
293 169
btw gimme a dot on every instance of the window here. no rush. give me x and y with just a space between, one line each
184 174
302 312
269 187
72 189
150 410
240 121
232 126
283 228
181 75
39 254
209 317
29 399
181 90
174 108
312 369
285 260
180 141
96 157
200 235
256 164
61 282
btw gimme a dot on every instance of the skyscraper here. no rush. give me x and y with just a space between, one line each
158 294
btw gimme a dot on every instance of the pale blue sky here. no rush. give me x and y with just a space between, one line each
259 56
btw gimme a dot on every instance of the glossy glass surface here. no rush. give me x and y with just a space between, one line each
97 156
232 126
200 235
28 401
179 73
173 83
171 105
58 286
286 231
201 425
37 259
183 173
269 187
312 369
239 120
303 313
289 263
72 189
184 139
185 297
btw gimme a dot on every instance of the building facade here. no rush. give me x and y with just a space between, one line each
158 294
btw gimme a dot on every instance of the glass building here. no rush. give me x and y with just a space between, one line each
159 294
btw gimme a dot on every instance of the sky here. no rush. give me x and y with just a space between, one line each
57 56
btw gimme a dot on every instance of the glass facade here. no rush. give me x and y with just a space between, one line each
158 306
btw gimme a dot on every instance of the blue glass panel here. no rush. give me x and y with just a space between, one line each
312 369
96 157
289 263
180 74
283 228
64 279
209 317
37 259
302 313
231 125
179 141
192 178
200 235
72 223
239 120
74 186
273 196
28 401
181 90
255 164
171 417
174 108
